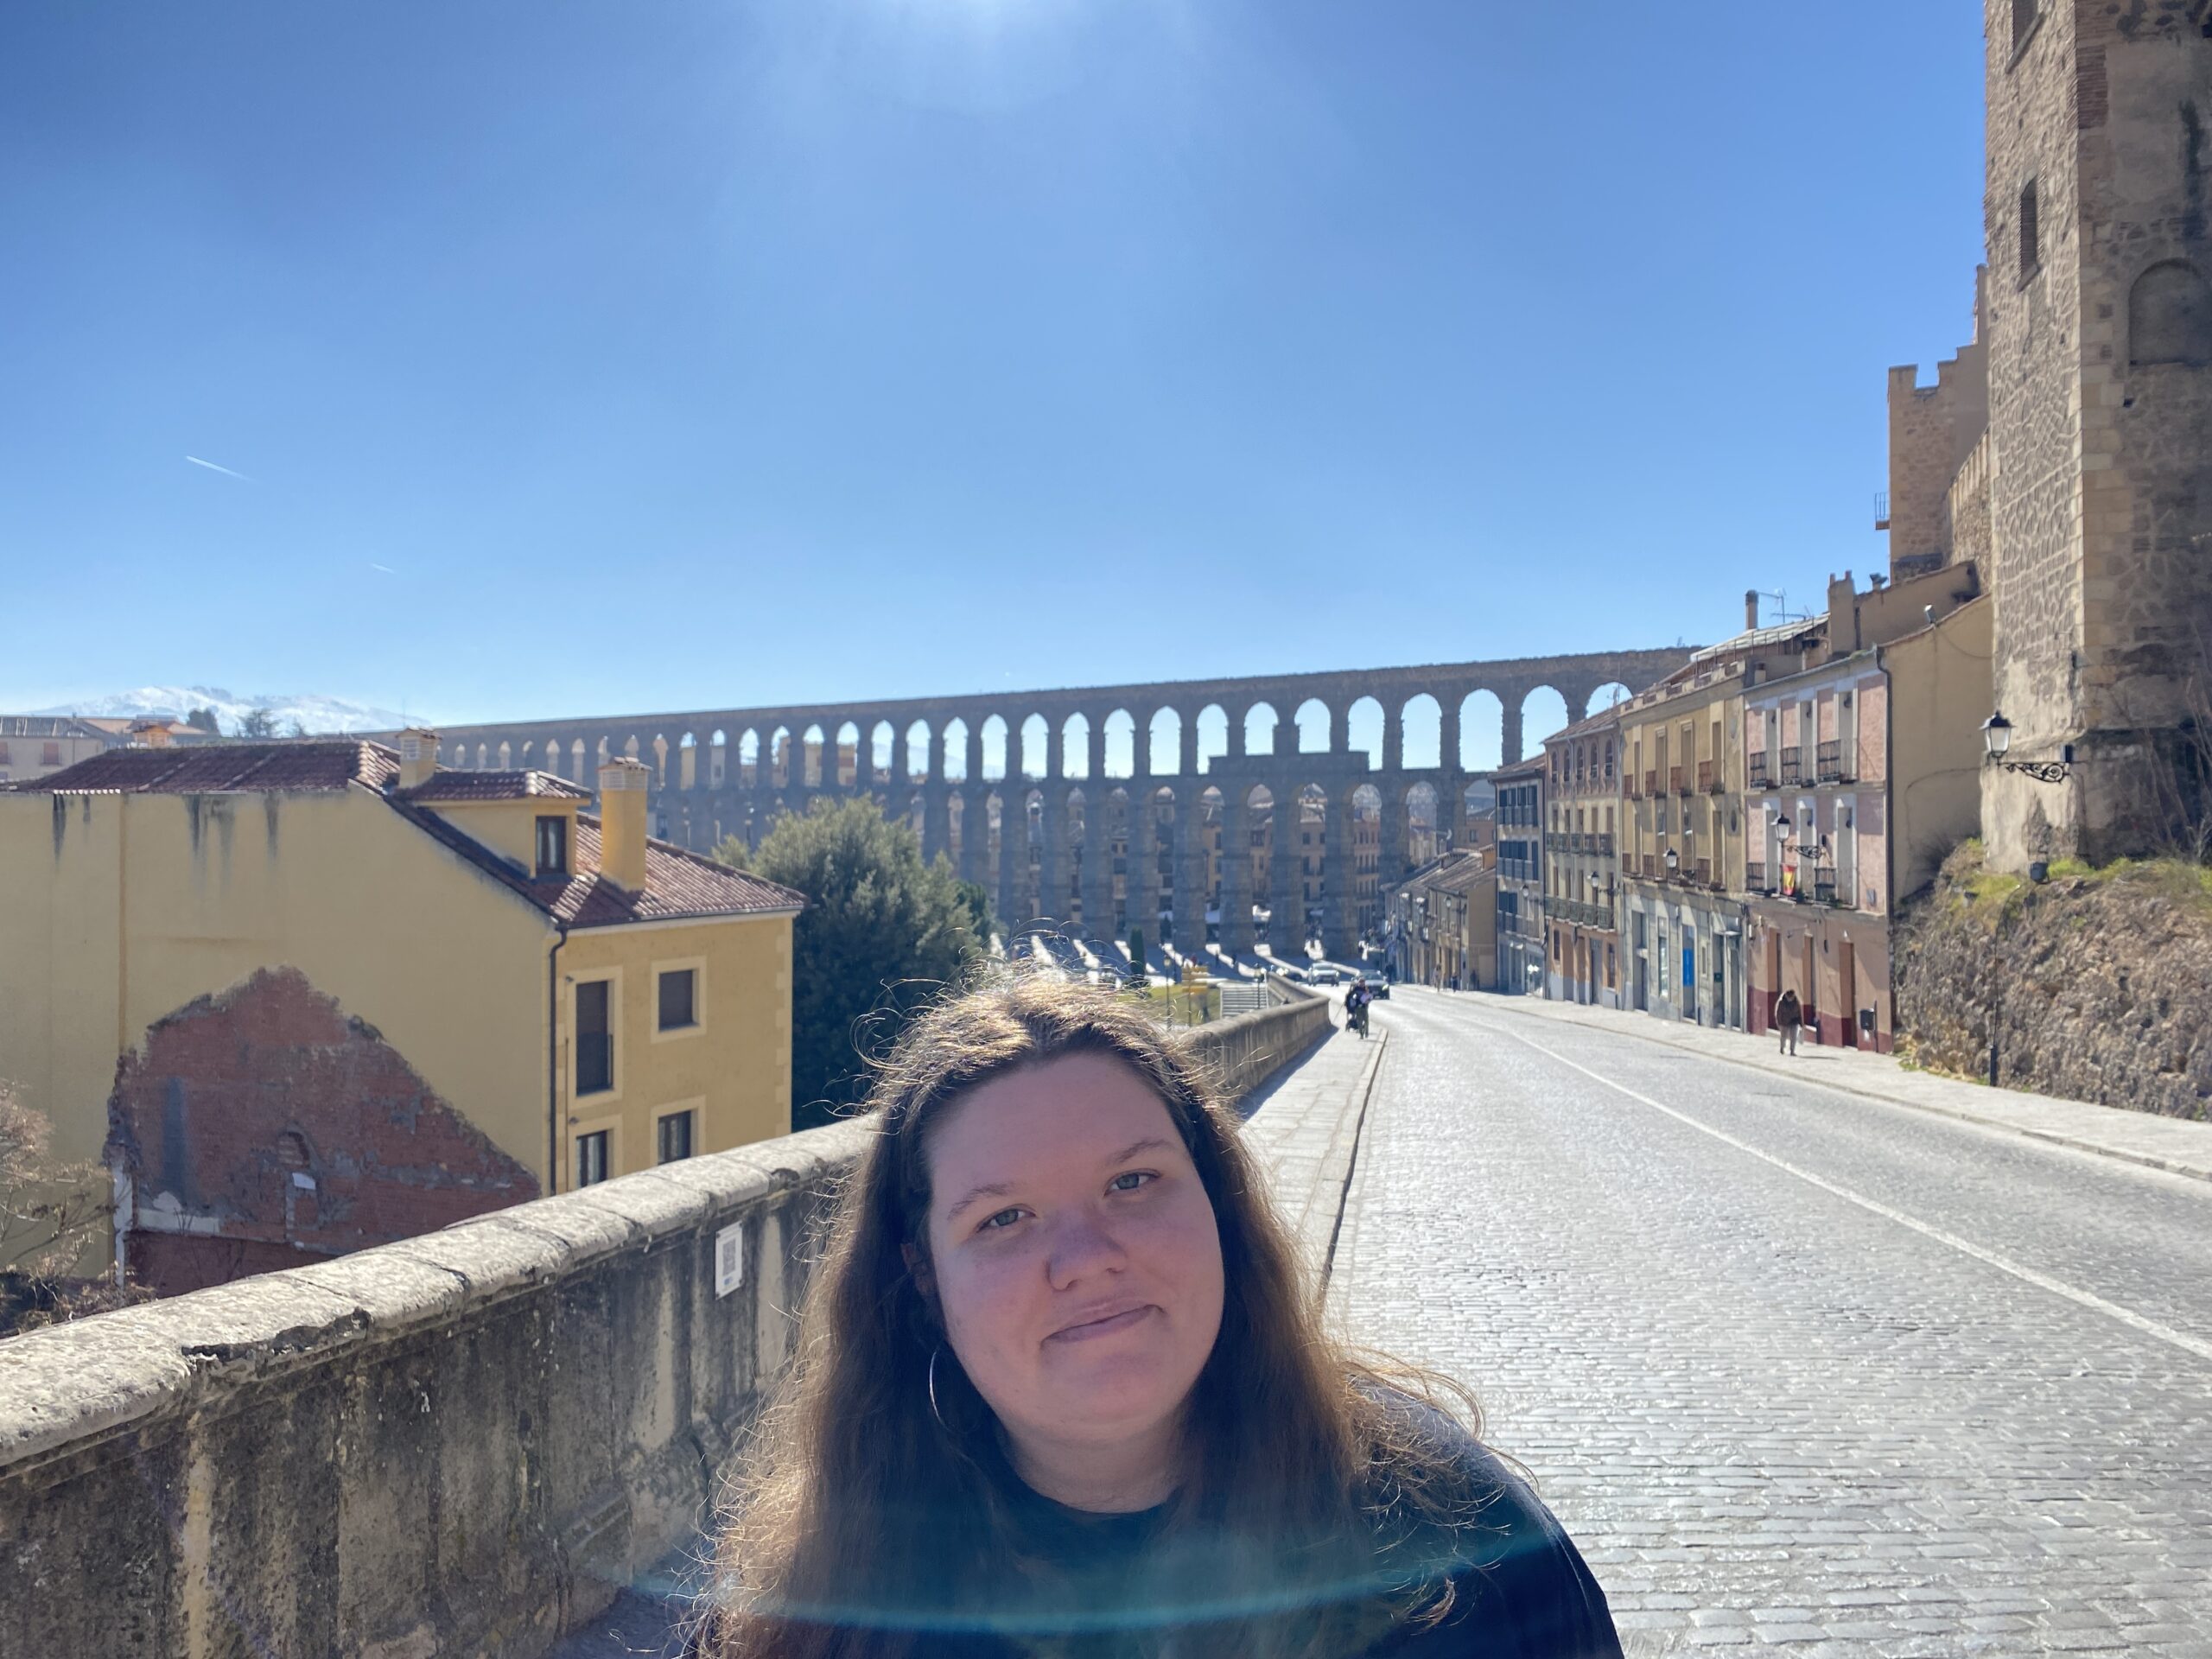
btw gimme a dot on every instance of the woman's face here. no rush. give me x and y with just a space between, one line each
1074 1251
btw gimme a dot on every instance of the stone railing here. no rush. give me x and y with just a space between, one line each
1247 1051
467 1442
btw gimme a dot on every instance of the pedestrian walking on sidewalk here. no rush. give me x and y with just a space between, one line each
1788 1016
1060 1385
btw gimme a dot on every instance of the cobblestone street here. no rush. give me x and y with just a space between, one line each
1794 1365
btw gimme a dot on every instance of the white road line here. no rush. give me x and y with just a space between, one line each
2127 1316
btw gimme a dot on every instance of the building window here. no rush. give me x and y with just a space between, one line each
49 754
4 755
2031 253
591 1158
674 1136
678 1006
2025 13
594 1039
553 845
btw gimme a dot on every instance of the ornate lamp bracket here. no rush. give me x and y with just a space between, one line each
1997 735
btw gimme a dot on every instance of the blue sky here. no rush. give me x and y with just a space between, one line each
583 357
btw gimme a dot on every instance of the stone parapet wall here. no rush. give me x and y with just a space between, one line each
1248 1049
463 1443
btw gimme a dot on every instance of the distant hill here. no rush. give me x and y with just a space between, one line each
315 715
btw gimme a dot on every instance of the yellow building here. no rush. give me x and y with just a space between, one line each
1681 851
1442 922
303 997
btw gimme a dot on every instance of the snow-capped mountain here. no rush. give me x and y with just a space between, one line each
314 714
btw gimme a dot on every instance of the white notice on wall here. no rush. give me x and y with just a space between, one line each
729 1258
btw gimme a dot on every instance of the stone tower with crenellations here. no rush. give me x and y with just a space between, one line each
2087 497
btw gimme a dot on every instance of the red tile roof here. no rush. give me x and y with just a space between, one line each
1608 717
679 886
214 768
449 785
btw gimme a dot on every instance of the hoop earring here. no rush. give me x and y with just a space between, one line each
934 1412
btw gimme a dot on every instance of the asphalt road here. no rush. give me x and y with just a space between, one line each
1797 1366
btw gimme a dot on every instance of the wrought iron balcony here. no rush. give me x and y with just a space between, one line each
1675 781
1793 764
1651 780
1829 763
1755 767
1704 877
1709 777
1824 887
1755 876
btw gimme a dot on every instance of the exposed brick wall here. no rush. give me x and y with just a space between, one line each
267 1129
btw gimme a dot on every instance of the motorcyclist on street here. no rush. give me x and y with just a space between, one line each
1356 1001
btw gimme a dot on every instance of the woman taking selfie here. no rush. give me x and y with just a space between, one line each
1061 1388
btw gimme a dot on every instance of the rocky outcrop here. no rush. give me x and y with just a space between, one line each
2095 985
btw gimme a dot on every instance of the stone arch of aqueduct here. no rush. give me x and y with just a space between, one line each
1042 795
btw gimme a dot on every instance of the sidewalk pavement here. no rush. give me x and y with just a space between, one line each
2179 1145
1304 1129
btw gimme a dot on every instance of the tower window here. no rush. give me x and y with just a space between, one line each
2025 13
2031 254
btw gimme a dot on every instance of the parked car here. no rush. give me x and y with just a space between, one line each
1327 975
1377 986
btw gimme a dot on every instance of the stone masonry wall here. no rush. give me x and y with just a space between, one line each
2102 491
1920 472
464 1443
2035 406
2093 986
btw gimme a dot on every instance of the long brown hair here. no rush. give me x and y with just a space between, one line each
866 1508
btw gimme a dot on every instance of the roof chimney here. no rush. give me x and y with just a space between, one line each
1750 608
419 756
622 822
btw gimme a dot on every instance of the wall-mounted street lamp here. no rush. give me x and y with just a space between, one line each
1997 735
1674 861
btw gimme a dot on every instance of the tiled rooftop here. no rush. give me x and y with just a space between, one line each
447 785
213 768
1774 633
1603 720
46 726
679 885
